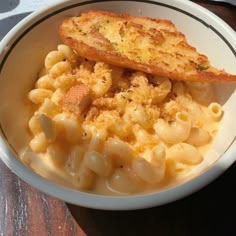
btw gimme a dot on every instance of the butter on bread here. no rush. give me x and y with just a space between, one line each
151 45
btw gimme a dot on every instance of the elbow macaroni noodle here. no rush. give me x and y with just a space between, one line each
175 132
138 133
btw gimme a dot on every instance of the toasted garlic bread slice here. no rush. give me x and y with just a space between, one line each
151 45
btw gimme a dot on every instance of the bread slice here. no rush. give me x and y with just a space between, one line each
151 45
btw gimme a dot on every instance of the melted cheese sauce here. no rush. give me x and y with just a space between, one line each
113 146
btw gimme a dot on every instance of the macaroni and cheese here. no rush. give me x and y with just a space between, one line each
113 130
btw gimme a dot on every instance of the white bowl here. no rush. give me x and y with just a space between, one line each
21 55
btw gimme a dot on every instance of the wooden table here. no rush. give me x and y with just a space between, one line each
25 211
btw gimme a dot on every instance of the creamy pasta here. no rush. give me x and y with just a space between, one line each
112 130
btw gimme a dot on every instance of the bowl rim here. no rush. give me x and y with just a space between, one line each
9 156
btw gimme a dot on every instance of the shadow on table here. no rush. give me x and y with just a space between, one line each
210 211
8 5
8 23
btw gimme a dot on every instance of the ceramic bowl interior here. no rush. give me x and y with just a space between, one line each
22 53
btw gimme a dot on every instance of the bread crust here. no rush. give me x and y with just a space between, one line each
151 45
77 99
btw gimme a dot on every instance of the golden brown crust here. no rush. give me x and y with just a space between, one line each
141 43
76 99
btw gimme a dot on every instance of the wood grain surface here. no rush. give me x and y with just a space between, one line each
25 211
